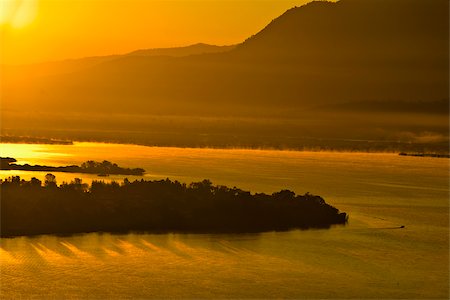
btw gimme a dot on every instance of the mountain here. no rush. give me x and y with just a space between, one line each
323 52
350 54
356 50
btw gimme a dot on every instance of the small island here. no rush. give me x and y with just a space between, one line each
91 167
31 208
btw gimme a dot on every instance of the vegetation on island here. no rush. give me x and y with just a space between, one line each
90 167
30 208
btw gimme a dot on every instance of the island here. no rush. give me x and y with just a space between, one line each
32 207
91 167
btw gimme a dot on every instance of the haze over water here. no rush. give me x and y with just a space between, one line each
349 75
370 257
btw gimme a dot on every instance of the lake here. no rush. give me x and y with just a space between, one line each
370 257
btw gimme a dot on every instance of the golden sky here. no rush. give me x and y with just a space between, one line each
43 30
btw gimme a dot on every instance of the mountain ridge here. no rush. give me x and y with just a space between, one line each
76 64
317 54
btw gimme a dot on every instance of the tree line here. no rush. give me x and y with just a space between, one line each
35 207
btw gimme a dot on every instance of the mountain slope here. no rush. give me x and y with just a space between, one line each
318 54
18 72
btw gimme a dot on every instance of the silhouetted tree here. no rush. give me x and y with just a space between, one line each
35 182
50 180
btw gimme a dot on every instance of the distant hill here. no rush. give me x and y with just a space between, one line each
322 52
17 72
352 55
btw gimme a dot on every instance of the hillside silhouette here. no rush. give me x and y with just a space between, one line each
28 208
342 66
322 52
26 72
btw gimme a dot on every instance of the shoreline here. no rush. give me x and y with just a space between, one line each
439 154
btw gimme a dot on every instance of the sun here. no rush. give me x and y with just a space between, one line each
17 13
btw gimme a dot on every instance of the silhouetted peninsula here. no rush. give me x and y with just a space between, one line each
30 208
90 167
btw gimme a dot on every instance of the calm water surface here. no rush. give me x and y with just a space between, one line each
370 257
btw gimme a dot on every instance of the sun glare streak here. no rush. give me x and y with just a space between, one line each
130 249
49 255
168 256
6 257
78 253
111 252
18 13
151 246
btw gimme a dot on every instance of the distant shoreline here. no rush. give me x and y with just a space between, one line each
33 140
305 148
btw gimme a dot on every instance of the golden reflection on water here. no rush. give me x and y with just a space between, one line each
333 175
368 257
79 254
63 251
34 153
7 258
294 264
111 252
52 257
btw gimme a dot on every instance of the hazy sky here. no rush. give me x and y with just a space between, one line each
42 30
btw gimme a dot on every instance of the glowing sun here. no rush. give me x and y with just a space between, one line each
17 13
